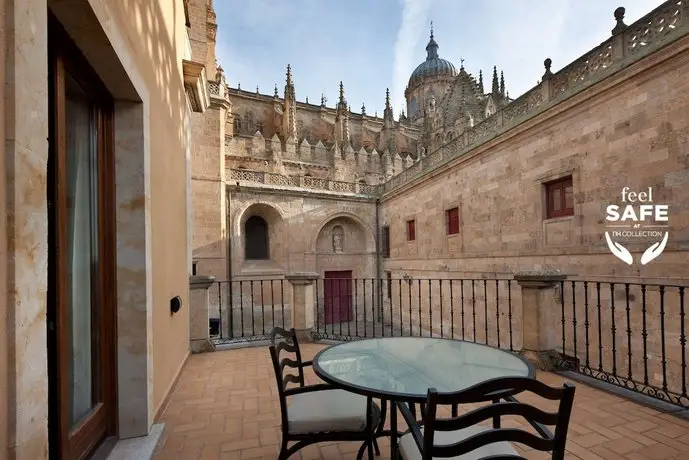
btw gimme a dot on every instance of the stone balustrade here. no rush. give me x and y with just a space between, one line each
306 182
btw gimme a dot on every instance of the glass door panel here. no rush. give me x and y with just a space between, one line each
81 252
82 264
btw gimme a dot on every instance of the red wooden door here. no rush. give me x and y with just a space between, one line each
338 297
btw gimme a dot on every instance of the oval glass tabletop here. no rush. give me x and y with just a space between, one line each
405 367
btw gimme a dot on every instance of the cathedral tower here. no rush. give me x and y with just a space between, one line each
432 77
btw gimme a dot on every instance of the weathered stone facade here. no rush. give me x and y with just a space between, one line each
302 162
615 118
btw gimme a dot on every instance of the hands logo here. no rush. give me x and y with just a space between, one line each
639 217
625 256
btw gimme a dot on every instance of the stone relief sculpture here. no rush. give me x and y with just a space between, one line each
338 239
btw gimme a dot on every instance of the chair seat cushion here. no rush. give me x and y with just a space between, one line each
409 450
328 411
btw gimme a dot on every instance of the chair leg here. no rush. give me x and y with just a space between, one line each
375 447
283 451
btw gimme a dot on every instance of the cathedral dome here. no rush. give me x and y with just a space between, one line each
433 66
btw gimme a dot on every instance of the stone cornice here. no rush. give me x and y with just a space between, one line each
255 189
196 85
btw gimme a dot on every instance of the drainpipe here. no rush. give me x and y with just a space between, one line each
379 266
228 226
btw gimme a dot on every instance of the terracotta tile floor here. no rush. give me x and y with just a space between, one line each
225 406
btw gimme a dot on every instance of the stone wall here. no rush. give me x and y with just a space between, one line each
300 224
630 130
634 124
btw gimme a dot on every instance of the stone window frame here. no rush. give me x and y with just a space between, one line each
448 231
560 184
410 229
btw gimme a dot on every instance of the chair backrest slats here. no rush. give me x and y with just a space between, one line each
539 427
286 346
287 362
282 340
492 390
290 378
477 416
501 387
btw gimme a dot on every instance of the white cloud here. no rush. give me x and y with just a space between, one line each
414 21
518 36
374 45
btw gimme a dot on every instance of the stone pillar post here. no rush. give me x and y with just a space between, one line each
199 303
303 304
540 307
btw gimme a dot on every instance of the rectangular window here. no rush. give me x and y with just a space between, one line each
385 242
452 221
389 279
559 195
411 230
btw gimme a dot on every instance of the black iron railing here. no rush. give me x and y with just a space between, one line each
248 310
480 310
628 334
632 335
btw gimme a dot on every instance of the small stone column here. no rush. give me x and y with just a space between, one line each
199 300
303 304
540 307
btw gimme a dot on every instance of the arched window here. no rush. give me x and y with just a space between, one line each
413 107
256 239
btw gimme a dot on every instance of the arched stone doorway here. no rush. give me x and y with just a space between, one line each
345 260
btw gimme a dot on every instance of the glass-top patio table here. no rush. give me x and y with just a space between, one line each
402 369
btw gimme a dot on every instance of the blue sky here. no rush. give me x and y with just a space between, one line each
371 45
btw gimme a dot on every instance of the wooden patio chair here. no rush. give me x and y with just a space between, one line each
320 412
462 438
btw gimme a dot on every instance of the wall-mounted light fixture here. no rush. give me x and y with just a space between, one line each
175 304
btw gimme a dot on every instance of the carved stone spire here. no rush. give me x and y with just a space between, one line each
275 92
342 118
289 117
387 113
388 107
342 101
502 84
289 85
496 86
480 81
363 109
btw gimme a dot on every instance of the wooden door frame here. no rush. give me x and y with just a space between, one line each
64 56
